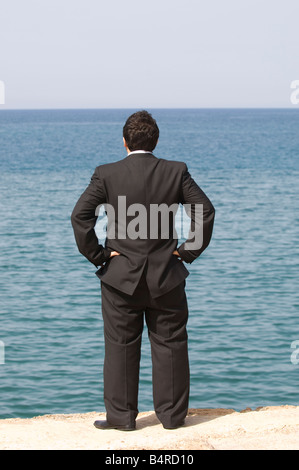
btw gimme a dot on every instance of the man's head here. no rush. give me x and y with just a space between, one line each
141 132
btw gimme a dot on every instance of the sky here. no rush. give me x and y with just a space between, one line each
153 54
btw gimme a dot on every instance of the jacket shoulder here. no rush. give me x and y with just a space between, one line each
176 165
108 168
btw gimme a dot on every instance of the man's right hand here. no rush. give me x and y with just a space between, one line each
114 253
176 253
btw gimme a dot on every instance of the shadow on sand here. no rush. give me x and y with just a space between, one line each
194 417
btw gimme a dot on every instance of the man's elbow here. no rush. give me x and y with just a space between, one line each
212 210
211 215
74 217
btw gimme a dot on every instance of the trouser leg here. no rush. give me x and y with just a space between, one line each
123 326
166 320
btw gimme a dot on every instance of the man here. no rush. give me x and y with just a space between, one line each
142 272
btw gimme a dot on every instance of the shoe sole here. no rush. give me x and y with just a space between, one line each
118 428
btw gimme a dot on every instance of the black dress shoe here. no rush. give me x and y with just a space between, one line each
174 427
106 425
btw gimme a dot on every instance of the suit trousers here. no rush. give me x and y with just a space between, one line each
166 319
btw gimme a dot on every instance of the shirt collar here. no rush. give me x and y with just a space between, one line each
139 151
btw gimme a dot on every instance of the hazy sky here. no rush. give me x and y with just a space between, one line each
148 54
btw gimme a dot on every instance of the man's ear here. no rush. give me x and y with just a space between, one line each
126 145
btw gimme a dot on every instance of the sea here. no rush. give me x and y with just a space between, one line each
243 291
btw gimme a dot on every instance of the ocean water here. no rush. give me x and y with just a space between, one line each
243 291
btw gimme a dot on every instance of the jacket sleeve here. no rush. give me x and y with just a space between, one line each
202 213
84 219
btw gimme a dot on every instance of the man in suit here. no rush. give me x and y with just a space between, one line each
142 271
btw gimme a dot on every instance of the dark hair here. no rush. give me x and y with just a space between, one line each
141 132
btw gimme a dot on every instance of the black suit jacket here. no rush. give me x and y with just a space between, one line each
144 179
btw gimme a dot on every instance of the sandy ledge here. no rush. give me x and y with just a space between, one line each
267 428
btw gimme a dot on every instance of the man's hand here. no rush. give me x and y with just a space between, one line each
176 253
